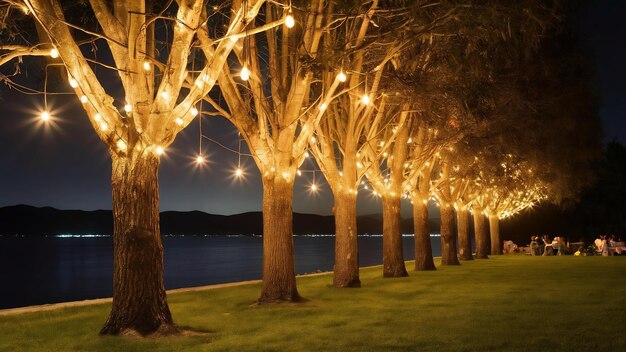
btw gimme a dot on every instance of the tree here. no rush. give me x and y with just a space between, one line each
160 87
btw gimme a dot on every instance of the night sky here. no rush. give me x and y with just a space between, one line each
66 166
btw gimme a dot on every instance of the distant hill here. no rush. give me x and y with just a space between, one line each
29 220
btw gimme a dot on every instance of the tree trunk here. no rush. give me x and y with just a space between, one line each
346 270
465 242
279 278
448 238
139 300
393 258
494 231
480 231
423 248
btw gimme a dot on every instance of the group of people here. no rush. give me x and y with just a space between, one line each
543 246
609 245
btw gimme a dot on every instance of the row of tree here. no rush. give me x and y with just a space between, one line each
473 104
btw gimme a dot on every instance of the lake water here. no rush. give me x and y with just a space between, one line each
39 270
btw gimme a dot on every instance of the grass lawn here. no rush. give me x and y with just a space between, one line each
506 303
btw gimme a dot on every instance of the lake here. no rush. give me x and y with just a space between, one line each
39 270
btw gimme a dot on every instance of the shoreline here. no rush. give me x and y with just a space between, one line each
87 302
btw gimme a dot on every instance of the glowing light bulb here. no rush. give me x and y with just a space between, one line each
342 76
165 95
238 172
159 150
299 173
194 112
365 99
128 108
245 73
323 106
179 121
314 187
54 53
146 65
199 160
83 99
104 127
306 154
73 83
289 21
313 140
45 116
97 117
121 145
234 38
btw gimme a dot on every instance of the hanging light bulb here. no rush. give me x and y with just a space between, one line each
313 187
97 117
238 172
104 127
83 99
179 121
165 95
194 112
128 108
245 73
342 76
289 20
54 53
323 106
121 145
73 83
159 150
45 116
146 65
200 159
365 99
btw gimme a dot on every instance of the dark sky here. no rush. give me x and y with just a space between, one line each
67 167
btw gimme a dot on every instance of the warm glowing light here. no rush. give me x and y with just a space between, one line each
97 117
73 83
165 95
147 66
313 139
83 99
313 187
299 173
245 74
54 53
323 106
45 116
128 108
289 21
179 121
199 160
234 38
365 99
121 145
238 172
104 127
342 76
159 150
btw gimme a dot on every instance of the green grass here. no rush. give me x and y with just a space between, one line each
506 303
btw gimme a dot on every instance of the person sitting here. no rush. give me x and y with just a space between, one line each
534 246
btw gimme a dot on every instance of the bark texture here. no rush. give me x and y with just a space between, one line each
448 236
279 278
346 270
423 247
494 231
480 231
139 301
465 243
393 257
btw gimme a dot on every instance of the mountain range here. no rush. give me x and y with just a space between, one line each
29 220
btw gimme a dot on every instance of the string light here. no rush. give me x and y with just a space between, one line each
165 95
245 74
289 20
200 159
179 121
83 99
323 106
97 117
104 127
45 116
73 83
147 66
342 76
159 150
54 53
194 112
365 99
128 108
238 172
121 145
